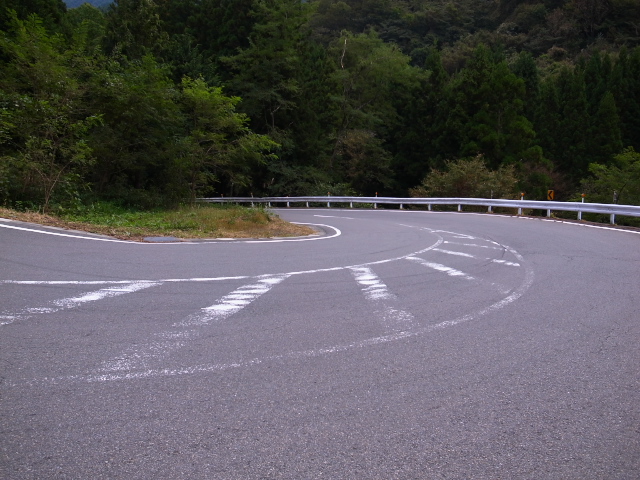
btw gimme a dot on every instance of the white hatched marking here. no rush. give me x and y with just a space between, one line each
208 368
235 301
372 287
505 262
452 272
139 356
67 303
450 252
474 245
461 254
375 290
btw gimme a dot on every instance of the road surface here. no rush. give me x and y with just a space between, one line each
395 345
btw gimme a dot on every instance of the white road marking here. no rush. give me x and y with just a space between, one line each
57 234
452 272
235 301
518 217
462 254
300 355
334 216
450 252
103 293
372 287
474 245
505 262
117 282
67 303
172 340
376 291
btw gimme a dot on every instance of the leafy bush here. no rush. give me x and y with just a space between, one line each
471 178
615 183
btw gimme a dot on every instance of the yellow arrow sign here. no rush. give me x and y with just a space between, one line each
551 194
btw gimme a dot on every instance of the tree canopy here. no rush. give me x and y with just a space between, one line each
150 101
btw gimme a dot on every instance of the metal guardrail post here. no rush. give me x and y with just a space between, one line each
521 199
580 211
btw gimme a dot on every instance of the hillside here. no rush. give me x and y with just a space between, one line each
163 101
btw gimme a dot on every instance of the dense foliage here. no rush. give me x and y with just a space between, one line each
150 102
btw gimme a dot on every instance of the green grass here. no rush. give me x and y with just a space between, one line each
193 221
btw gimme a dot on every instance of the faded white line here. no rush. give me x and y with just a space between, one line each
67 303
519 217
452 272
57 234
334 216
117 282
103 293
376 291
437 243
140 357
462 254
505 262
450 252
474 245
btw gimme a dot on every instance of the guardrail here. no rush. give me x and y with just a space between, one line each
603 208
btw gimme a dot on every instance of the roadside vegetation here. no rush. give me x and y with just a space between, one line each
151 104
185 222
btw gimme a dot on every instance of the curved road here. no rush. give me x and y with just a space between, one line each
408 345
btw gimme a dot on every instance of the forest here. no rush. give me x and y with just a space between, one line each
157 102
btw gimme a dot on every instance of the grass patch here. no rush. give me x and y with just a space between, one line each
187 222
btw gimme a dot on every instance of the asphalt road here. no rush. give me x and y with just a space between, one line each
396 345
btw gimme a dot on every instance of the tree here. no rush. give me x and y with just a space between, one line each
368 72
266 73
88 22
417 141
606 140
44 123
134 29
625 86
136 143
50 12
526 69
283 80
618 182
469 177
491 100
219 147
574 133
